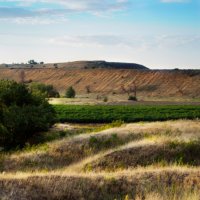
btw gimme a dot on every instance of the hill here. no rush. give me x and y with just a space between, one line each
79 65
149 83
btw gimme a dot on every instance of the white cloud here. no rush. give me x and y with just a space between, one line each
80 5
34 20
138 43
23 11
91 40
161 50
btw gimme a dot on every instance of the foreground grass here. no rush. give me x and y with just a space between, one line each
106 114
146 154
166 184
126 146
138 161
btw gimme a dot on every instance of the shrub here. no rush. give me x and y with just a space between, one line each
105 99
47 90
70 92
22 114
132 98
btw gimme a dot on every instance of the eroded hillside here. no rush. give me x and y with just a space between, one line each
149 83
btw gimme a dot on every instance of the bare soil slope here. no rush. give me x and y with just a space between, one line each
149 83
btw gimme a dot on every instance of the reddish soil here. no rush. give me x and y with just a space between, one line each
149 83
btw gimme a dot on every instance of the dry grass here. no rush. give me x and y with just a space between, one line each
99 186
170 194
156 154
72 150
122 99
74 167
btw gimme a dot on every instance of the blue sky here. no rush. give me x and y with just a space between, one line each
156 33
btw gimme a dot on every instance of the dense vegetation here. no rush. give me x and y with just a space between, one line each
48 91
102 114
22 114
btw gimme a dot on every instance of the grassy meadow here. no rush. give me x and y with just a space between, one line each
143 160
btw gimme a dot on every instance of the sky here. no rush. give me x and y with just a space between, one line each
156 33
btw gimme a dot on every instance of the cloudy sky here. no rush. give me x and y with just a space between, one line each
156 33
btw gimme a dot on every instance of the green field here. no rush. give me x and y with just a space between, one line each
104 114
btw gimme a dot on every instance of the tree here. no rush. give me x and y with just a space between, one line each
48 91
32 62
52 92
70 92
22 114
12 92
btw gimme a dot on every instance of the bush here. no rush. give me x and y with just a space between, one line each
105 99
13 93
70 92
22 114
132 98
47 90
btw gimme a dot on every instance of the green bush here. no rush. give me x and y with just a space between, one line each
22 114
70 92
14 93
47 90
105 99
132 98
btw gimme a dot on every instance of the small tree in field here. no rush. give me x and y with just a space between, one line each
70 92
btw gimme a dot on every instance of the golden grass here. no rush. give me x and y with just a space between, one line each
57 169
101 186
74 150
169 194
